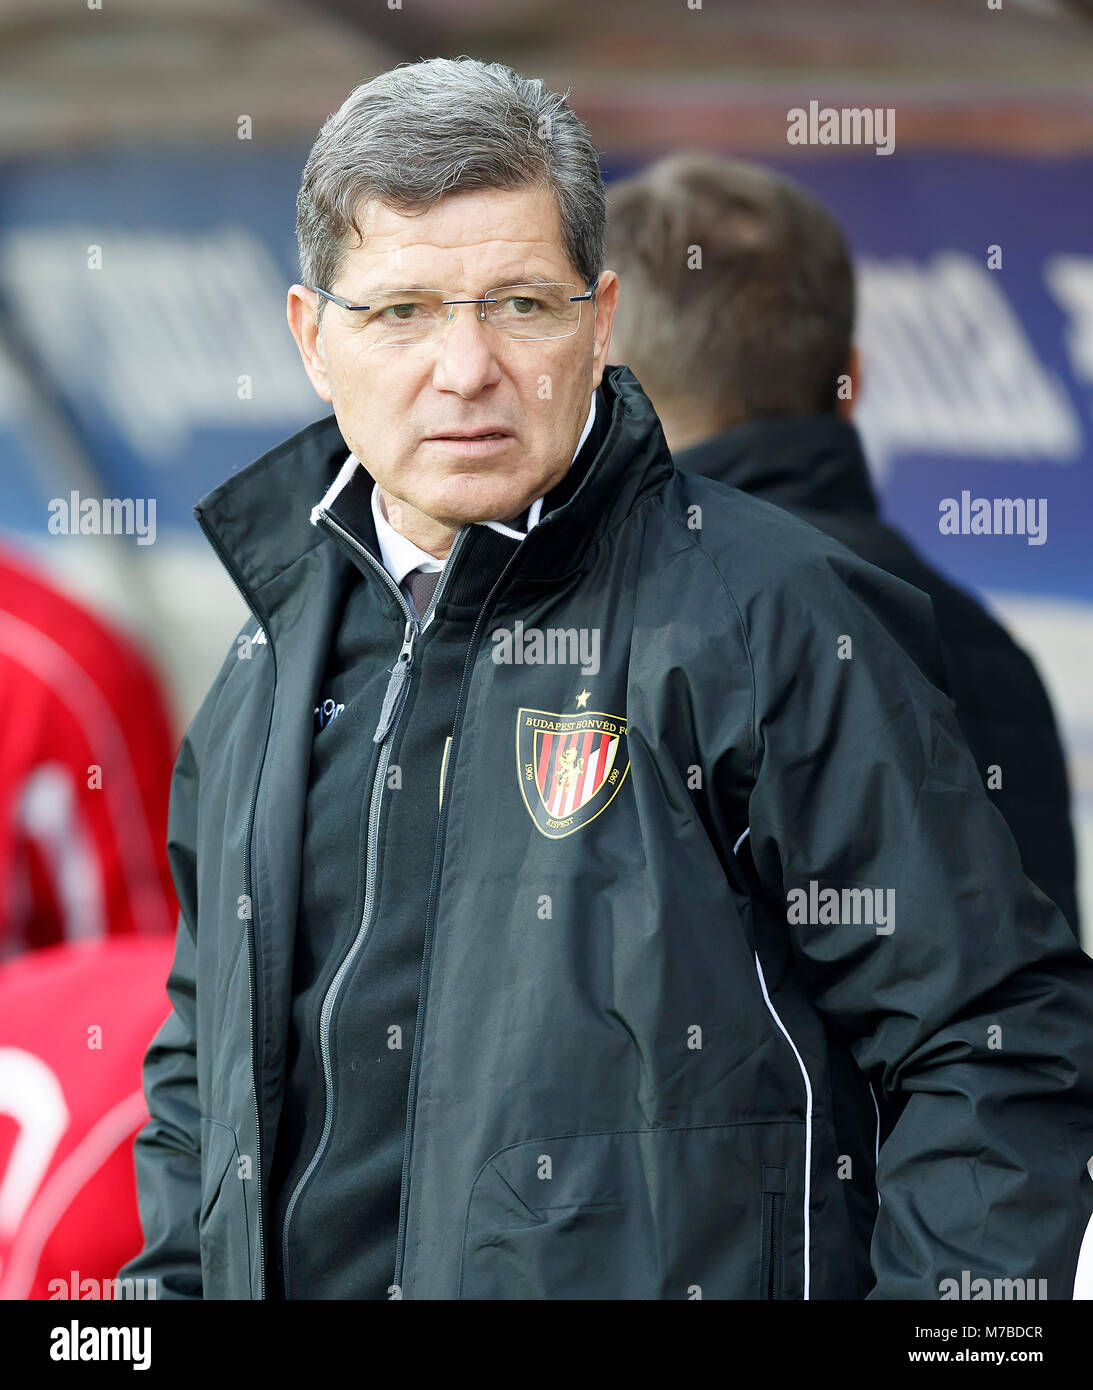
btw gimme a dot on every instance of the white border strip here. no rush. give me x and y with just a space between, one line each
348 468
808 1096
503 530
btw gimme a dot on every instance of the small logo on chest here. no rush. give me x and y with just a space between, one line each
327 712
570 766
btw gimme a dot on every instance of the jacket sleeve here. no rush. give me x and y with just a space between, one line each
168 1149
972 1004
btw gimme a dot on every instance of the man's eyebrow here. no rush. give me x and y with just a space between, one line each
499 282
519 278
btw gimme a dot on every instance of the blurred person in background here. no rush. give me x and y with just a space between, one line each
87 909
85 769
75 1022
750 364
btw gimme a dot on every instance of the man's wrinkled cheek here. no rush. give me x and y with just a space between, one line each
353 371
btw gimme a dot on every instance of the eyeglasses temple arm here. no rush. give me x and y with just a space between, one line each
337 299
588 293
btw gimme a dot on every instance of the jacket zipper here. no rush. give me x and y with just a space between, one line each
390 710
445 802
252 604
774 1202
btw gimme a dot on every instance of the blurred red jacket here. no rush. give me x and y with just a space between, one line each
75 1022
85 765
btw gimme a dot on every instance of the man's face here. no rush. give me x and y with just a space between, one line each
393 404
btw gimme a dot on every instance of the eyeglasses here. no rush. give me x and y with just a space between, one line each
528 313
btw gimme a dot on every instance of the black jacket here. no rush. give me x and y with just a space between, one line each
814 466
664 1018
344 1179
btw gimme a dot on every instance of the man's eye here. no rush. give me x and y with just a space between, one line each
400 312
520 304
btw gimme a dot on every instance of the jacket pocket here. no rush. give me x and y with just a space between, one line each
772 1232
222 1225
637 1214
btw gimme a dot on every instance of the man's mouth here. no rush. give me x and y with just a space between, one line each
478 434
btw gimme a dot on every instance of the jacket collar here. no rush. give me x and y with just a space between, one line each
259 520
812 462
624 461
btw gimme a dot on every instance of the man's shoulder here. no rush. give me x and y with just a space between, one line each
753 544
786 583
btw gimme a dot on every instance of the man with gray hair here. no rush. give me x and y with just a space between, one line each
485 985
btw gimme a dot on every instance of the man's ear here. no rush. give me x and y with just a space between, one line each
606 302
844 404
302 320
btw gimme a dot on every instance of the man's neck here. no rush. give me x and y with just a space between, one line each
435 537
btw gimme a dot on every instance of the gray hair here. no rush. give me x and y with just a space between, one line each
446 125
764 328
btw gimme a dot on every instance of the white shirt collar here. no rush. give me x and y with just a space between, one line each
400 555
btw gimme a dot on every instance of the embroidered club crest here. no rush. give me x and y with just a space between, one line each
570 766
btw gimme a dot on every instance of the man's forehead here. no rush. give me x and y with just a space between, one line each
465 234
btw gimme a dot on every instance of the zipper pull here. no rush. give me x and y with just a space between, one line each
396 686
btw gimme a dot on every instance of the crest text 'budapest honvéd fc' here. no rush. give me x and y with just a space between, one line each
570 766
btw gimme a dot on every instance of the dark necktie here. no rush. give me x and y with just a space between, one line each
422 585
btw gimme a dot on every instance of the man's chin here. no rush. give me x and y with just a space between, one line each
506 512
469 501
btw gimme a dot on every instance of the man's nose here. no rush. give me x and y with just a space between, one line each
466 358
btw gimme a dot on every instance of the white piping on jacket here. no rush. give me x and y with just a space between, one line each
1083 1274
348 468
808 1097
808 1111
